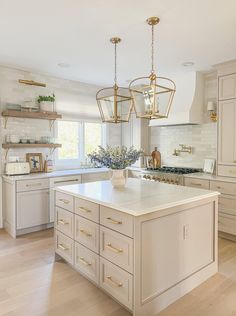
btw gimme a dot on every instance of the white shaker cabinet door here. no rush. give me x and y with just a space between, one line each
227 87
32 208
227 131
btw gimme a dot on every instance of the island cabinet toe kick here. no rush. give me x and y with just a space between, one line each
144 262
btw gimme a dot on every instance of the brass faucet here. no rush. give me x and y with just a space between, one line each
184 149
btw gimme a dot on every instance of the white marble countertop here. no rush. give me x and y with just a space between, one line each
58 173
138 197
207 176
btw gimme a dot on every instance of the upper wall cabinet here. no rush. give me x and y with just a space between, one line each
227 87
227 138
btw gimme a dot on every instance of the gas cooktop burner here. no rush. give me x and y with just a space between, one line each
176 170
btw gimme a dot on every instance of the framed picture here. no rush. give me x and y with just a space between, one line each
35 161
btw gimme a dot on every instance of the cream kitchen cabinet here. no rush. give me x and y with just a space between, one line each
32 208
25 205
227 87
227 200
131 254
227 138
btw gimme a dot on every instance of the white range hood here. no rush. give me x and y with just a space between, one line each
187 106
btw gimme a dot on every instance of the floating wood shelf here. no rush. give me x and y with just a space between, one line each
32 115
52 147
8 146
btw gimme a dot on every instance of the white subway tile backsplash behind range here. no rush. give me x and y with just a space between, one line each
203 139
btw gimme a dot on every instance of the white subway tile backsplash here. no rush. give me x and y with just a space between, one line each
201 137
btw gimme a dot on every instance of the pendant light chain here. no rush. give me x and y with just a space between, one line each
152 55
115 78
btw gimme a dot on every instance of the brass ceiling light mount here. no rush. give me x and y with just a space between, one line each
114 103
152 95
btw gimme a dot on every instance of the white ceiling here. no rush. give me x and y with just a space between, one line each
39 34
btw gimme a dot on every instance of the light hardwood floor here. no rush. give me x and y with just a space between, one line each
31 284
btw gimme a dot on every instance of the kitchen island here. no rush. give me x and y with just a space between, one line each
146 245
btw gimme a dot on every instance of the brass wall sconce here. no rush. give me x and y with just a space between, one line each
211 109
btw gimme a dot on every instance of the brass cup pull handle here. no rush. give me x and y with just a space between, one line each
234 161
64 201
33 184
198 184
61 221
218 187
83 209
114 221
61 246
85 262
87 234
114 283
114 249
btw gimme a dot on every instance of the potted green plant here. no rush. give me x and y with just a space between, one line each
46 103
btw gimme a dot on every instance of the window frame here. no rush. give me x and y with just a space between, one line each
76 163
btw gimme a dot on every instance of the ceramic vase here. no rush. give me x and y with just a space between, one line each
118 178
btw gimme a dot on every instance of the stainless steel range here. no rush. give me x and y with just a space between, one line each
172 175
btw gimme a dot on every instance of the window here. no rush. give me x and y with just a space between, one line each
68 136
78 139
92 136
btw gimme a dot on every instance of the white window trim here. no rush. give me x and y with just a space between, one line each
76 163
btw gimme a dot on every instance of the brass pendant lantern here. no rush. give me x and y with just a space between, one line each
115 103
152 95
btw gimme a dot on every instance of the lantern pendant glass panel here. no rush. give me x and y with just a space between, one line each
152 97
115 104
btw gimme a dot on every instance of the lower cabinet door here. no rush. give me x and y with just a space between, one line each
32 208
227 223
87 262
117 282
64 246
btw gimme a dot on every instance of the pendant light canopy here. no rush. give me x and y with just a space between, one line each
115 103
152 95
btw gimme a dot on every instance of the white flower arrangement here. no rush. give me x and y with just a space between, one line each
115 157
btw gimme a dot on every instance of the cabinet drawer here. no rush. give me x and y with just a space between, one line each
116 248
87 262
227 224
65 201
87 209
64 222
227 171
121 222
116 282
223 187
64 246
87 233
227 204
197 183
30 185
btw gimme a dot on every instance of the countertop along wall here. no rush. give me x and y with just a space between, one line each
203 138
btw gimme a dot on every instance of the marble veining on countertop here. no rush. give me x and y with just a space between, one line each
208 176
138 197
57 173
